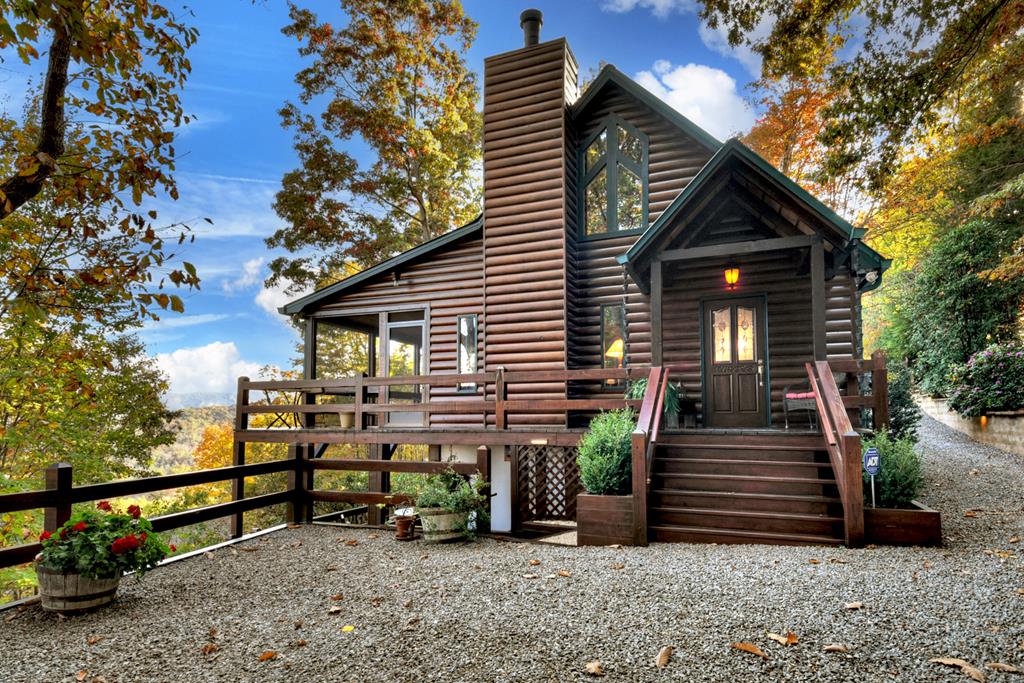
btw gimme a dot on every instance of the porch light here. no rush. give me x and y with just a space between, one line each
615 350
732 276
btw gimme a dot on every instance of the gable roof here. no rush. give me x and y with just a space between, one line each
301 304
733 148
609 74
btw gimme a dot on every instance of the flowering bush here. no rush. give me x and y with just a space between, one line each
992 379
104 543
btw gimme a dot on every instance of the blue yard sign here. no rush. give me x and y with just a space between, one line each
872 461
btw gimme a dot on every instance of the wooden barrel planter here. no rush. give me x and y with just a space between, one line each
67 593
441 526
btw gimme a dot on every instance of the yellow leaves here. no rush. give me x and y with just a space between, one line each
789 639
966 667
749 647
348 628
594 668
564 573
267 656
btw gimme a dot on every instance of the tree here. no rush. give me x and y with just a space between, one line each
904 64
393 78
94 144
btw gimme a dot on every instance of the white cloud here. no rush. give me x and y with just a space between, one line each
705 95
272 298
211 369
176 321
238 206
252 271
659 8
717 39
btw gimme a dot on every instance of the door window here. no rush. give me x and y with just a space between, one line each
722 335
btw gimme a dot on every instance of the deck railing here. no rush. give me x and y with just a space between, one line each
644 440
843 444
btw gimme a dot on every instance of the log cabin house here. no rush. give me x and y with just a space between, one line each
617 240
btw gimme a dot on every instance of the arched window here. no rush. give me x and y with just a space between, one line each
613 173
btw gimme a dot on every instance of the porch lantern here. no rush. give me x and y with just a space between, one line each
732 276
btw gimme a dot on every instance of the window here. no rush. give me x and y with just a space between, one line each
614 180
467 356
613 345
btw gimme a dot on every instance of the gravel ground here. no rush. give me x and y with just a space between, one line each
468 613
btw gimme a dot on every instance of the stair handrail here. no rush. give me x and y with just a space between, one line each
646 424
843 445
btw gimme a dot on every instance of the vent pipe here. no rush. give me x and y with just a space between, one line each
530 21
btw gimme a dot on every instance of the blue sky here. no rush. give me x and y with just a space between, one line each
233 156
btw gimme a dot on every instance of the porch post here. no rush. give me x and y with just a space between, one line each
818 298
309 350
656 273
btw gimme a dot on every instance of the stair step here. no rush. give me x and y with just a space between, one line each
697 534
754 501
729 466
748 520
746 477
729 451
744 483
740 446
730 495
734 461
760 514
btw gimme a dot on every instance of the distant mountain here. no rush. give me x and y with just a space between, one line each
197 399
190 425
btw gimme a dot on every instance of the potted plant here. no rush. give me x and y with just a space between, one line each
604 514
81 564
899 518
670 409
447 503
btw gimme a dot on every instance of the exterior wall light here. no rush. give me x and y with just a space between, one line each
732 276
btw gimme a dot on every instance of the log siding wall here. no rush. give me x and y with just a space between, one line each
525 205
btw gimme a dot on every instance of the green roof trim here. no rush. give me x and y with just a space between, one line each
610 74
301 304
734 147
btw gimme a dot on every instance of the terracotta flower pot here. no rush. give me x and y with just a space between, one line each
440 526
405 527
67 592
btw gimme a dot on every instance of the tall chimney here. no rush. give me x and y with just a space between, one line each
530 21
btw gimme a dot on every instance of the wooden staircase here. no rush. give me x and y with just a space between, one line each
725 488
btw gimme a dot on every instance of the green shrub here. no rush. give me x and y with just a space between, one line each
452 492
605 456
637 389
904 414
992 379
900 479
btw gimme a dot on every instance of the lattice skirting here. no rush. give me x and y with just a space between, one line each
547 482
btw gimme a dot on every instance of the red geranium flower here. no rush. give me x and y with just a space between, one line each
142 537
79 527
43 536
174 548
135 511
63 533
124 544
104 505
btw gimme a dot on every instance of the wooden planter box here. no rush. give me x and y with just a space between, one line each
918 526
604 520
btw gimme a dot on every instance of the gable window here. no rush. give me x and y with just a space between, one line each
614 179
467 350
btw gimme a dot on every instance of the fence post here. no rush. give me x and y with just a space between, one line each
238 456
854 485
297 507
880 388
58 478
483 466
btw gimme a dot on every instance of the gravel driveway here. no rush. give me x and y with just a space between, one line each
469 613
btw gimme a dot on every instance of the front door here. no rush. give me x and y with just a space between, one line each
734 363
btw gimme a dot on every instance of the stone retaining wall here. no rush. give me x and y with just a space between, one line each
1003 430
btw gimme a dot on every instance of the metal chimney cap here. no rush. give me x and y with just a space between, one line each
530 21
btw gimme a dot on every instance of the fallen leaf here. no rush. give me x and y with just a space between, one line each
1015 539
407 604
294 526
788 639
331 568
210 648
966 667
564 573
970 513
836 560
617 565
298 624
267 656
348 628
212 633
1005 668
550 576
835 647
352 541
371 536
92 640
594 668
301 643
749 647
531 576
814 561
615 545
81 675
661 661
337 597
335 609
854 605
534 563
